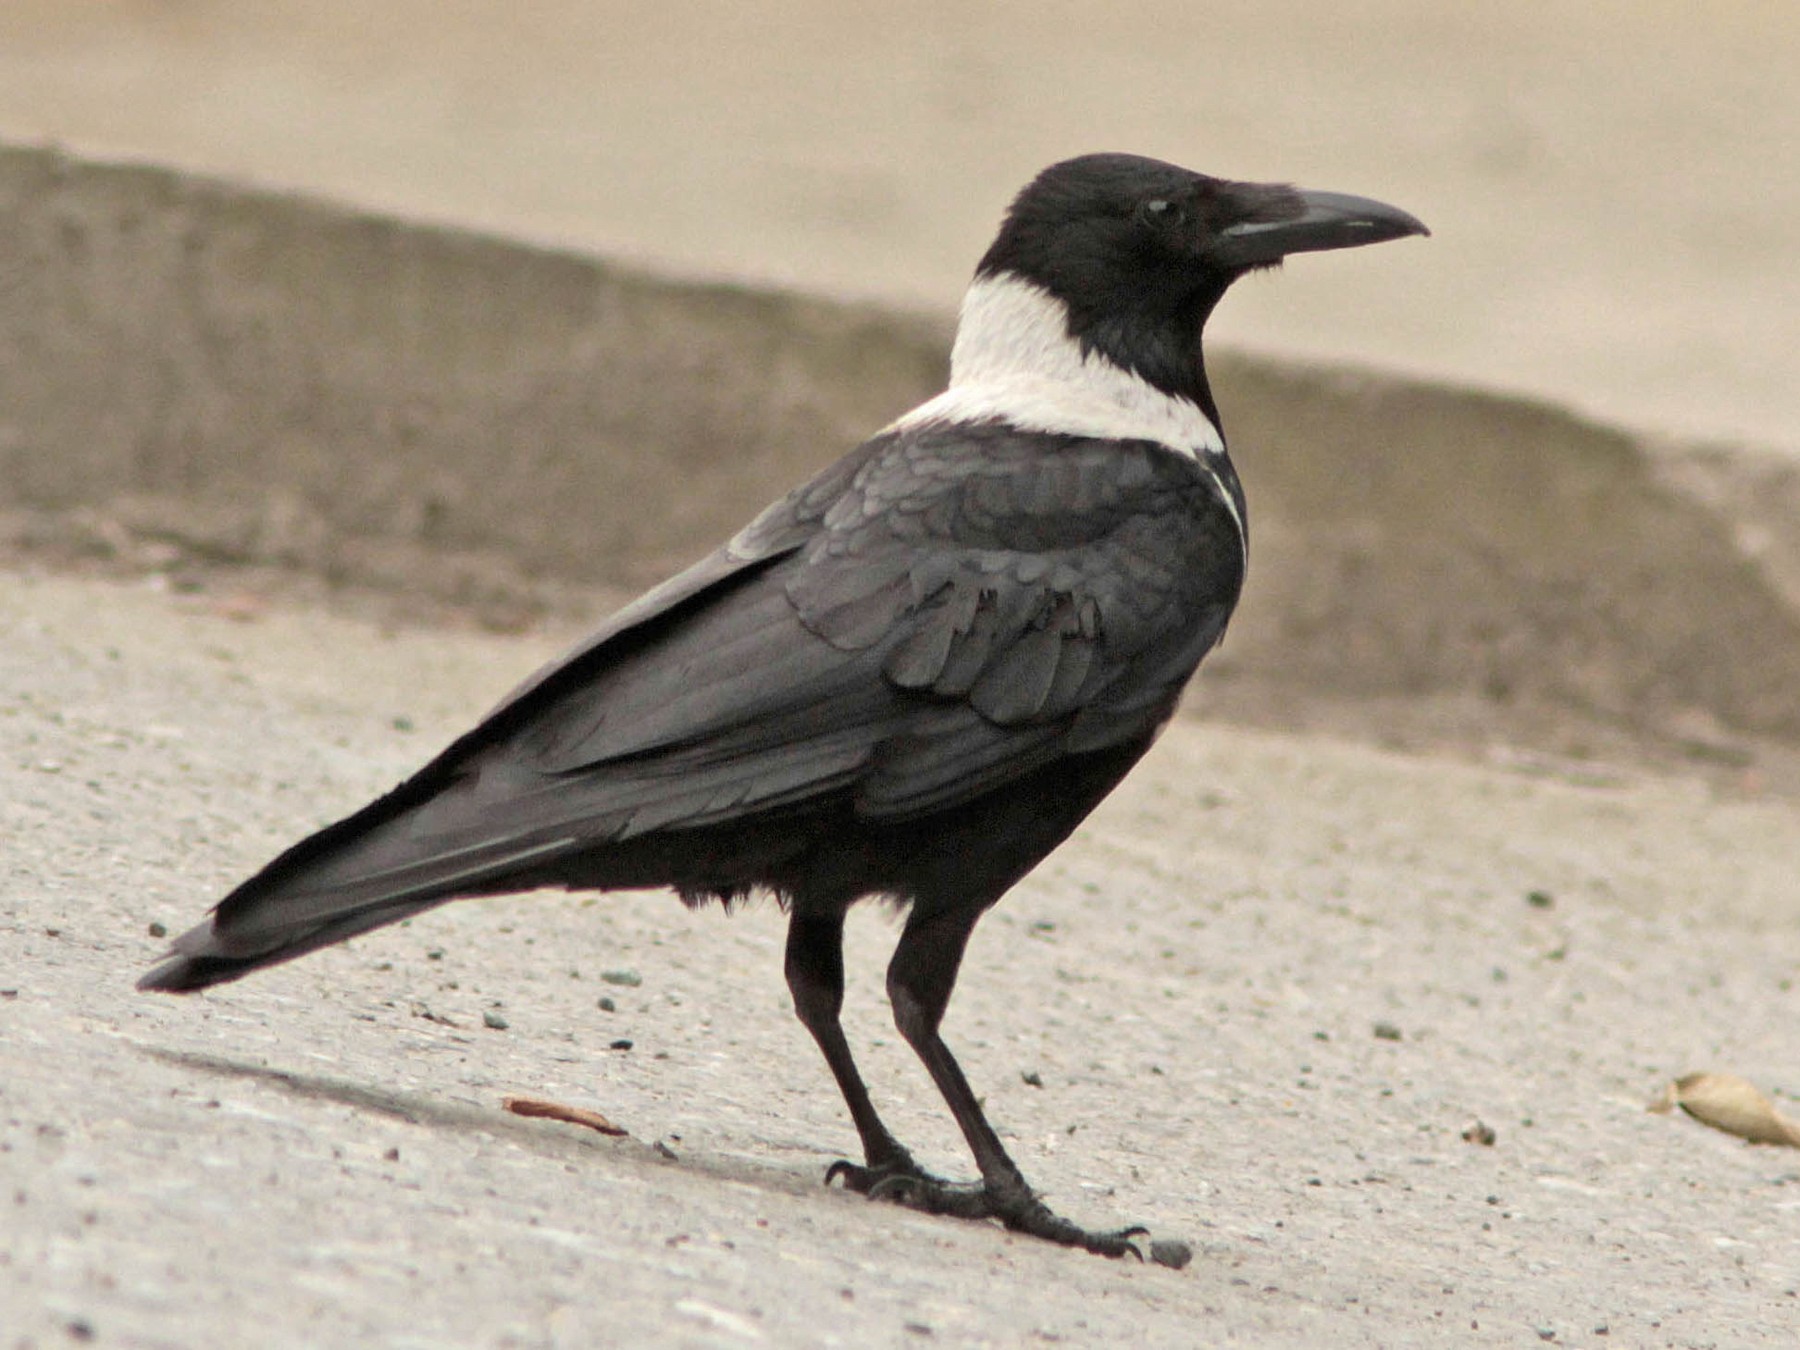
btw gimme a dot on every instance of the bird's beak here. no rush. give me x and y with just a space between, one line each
1305 222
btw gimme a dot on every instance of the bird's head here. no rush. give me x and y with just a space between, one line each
1139 252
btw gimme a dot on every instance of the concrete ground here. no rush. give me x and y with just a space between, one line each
318 1156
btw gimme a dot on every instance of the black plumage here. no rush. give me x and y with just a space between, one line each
911 677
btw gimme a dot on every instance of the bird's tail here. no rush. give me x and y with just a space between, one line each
385 863
207 954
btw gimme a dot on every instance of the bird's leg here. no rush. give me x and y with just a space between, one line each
920 979
815 978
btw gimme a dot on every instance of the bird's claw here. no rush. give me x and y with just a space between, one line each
1038 1220
883 1180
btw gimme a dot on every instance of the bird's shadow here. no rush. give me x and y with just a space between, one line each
553 1138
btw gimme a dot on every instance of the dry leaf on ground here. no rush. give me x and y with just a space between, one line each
574 1115
1730 1103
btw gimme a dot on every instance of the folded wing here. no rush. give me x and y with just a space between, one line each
926 621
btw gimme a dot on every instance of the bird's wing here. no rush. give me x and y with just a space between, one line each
927 620
969 603
1046 596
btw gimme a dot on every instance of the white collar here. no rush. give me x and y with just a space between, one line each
1014 361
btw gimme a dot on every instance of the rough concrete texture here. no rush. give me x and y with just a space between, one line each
226 375
318 1156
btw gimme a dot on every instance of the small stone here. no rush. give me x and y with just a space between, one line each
620 1045
629 979
158 930
607 1005
490 1018
1171 1252
1032 1078
1386 1031
1539 900
1479 1132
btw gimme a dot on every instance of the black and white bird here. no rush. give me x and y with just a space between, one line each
910 678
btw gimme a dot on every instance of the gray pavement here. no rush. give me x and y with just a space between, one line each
318 1156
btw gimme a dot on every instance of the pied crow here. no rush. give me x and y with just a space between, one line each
909 678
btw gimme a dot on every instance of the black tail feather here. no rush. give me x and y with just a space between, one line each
203 956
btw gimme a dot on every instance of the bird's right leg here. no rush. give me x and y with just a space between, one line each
815 978
920 978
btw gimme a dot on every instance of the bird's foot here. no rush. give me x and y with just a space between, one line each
1040 1221
874 1179
1016 1206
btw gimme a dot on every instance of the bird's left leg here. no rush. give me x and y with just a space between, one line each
815 977
920 979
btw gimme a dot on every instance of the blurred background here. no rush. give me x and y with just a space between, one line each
1614 185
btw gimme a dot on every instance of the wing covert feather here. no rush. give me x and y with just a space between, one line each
950 616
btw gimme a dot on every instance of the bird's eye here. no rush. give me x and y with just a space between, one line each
1160 211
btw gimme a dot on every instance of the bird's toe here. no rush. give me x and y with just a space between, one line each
1038 1220
889 1179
